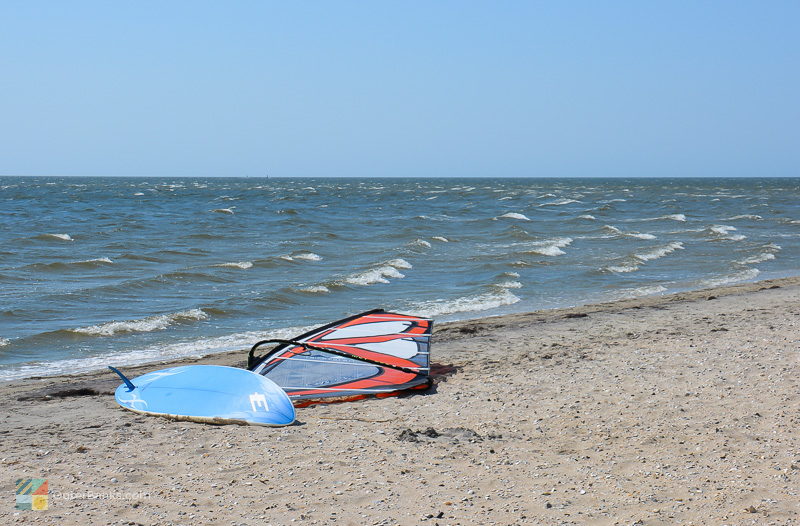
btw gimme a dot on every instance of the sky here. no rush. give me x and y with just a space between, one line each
391 89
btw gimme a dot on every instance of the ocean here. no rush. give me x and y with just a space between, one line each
114 271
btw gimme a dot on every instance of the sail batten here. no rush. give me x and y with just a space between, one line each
369 353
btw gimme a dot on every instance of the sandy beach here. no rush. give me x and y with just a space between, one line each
677 409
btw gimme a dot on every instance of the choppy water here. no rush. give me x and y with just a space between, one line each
97 271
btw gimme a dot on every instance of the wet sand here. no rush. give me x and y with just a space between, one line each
679 409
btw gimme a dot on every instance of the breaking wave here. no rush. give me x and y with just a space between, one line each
621 269
303 256
760 258
189 348
724 232
616 231
60 237
660 251
149 324
550 247
742 275
244 265
560 202
514 215
315 289
671 217
379 274
419 243
745 216
479 302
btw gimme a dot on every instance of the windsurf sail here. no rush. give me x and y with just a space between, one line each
372 353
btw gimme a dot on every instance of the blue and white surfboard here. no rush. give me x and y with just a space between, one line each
207 393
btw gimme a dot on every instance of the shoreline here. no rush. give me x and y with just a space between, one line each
238 358
668 409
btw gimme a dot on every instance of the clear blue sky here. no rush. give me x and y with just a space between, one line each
420 88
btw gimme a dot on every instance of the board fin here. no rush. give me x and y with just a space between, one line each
128 383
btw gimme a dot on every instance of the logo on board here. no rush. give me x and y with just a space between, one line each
258 399
31 494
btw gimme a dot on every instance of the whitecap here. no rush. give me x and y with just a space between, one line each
745 216
375 275
4 342
223 211
94 261
723 232
419 243
510 285
380 274
316 289
659 252
560 202
550 247
440 238
617 231
587 216
549 250
62 237
149 324
722 229
244 265
514 215
308 256
305 256
674 217
619 269
399 263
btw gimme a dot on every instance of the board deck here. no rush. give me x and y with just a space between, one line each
211 394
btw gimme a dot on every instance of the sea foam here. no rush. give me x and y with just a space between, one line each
479 302
189 348
742 275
